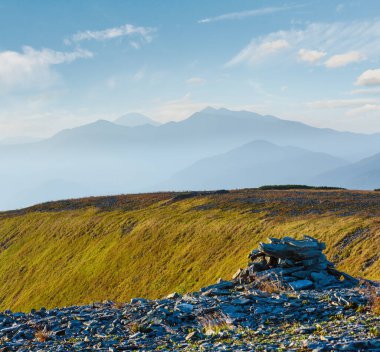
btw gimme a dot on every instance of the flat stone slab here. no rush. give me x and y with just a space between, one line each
301 285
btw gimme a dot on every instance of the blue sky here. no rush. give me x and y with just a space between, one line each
66 63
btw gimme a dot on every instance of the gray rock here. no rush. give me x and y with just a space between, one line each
185 307
241 301
173 295
302 274
301 285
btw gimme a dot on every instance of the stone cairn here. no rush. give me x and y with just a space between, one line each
292 264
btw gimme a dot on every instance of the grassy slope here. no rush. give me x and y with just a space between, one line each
87 250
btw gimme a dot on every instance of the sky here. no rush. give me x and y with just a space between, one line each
68 63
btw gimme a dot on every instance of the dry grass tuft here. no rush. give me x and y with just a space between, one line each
42 335
374 301
270 285
214 323
136 327
372 293
119 305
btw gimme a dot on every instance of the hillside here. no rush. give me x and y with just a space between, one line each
92 249
253 165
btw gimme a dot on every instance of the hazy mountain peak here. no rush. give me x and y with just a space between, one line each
100 122
135 119
210 109
96 125
253 164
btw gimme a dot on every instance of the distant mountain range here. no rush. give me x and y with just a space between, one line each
364 174
252 165
213 148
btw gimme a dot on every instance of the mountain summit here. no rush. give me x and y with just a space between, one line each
135 119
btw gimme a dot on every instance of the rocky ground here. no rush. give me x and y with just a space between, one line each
221 317
289 298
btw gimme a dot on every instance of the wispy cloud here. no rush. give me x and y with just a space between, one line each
349 107
343 42
366 91
311 56
339 8
365 109
369 78
244 14
139 74
196 81
33 68
344 59
138 34
257 52
338 103
177 109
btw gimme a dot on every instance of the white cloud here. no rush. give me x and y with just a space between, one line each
139 34
338 103
363 110
139 74
369 78
272 47
339 8
344 59
243 14
196 81
32 68
311 56
368 91
177 109
254 52
334 38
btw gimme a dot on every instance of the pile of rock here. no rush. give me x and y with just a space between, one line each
293 264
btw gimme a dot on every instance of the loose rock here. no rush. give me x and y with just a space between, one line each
232 315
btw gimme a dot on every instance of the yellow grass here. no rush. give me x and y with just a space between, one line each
78 252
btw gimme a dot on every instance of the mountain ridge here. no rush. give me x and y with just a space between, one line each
113 159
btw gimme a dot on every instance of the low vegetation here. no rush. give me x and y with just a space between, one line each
92 249
42 335
215 323
288 187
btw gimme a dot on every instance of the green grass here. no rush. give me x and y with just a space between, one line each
116 248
